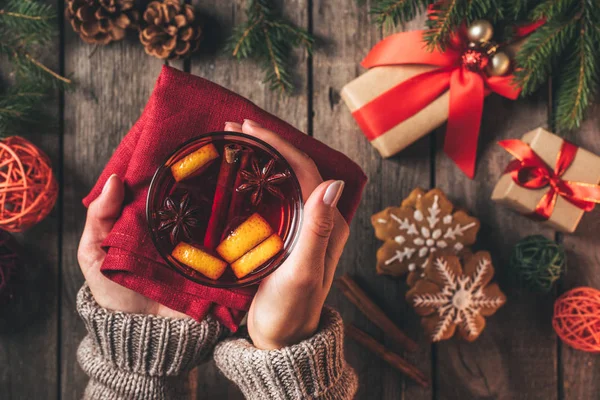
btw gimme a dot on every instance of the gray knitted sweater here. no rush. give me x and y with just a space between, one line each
131 356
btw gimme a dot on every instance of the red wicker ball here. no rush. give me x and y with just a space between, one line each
28 189
577 319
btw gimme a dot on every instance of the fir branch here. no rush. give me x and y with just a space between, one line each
577 82
391 13
564 48
539 54
25 26
269 39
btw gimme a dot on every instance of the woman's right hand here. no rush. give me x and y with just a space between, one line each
288 304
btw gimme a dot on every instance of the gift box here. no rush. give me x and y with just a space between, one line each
372 83
550 179
409 91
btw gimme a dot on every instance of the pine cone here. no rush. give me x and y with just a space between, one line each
171 30
101 21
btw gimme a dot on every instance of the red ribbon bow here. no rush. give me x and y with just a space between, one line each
467 91
530 171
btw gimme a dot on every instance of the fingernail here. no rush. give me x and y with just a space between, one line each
252 123
107 181
235 125
333 193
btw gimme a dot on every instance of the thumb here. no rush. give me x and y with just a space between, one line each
102 215
317 225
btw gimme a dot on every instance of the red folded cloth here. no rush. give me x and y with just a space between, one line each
181 107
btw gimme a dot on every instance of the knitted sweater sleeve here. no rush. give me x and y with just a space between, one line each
314 368
131 356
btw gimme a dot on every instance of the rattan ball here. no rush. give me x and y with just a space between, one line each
538 262
577 319
28 189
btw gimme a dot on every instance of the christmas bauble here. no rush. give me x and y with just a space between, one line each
538 262
28 189
480 31
499 64
577 319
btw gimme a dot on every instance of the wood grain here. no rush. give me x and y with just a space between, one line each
515 357
581 370
347 34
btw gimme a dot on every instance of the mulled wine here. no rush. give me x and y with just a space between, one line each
224 209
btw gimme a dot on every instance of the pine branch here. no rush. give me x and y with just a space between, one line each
538 55
269 39
564 48
577 82
391 13
25 26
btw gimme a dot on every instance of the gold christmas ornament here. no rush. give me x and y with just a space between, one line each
480 31
499 64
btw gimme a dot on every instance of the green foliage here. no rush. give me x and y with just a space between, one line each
269 39
446 17
390 13
25 27
566 49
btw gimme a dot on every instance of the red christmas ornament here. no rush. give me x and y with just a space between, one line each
577 319
474 60
28 189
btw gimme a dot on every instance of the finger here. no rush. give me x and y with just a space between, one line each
337 242
317 227
101 216
304 167
233 127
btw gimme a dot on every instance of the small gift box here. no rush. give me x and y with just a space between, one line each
550 179
409 91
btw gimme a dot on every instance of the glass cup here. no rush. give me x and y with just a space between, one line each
224 209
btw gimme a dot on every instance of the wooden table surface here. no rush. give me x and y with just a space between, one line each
518 355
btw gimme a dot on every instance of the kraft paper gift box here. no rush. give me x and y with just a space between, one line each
378 80
585 168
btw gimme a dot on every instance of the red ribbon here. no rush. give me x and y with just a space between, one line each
530 171
467 91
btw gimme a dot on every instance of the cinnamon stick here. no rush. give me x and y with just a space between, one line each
237 199
388 356
360 299
230 165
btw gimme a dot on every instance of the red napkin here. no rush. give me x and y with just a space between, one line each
181 107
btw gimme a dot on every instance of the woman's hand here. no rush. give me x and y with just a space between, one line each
101 216
288 304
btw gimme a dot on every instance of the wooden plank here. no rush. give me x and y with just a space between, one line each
350 34
515 357
245 78
29 325
113 84
581 370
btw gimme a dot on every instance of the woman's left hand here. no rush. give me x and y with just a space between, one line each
287 307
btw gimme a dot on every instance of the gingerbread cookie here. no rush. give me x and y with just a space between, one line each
424 224
451 298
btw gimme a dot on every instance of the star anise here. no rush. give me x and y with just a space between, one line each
260 180
178 218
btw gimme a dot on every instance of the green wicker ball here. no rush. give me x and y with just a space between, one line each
538 262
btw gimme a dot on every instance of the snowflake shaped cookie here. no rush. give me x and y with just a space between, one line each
450 298
424 224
